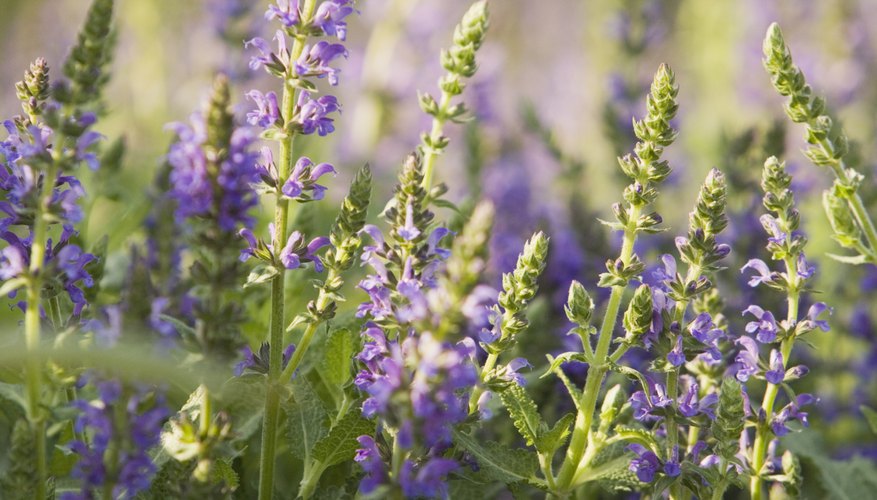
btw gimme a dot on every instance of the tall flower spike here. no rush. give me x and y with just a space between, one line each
828 148
86 66
34 89
459 62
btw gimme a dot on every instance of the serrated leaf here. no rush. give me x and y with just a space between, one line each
633 435
554 363
852 479
507 465
244 400
224 473
524 413
339 352
553 439
306 416
340 444
262 273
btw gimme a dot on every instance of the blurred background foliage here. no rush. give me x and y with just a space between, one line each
557 85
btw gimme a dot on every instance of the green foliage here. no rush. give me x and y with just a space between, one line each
500 463
306 419
86 66
524 413
638 317
728 425
340 347
20 478
340 444
852 479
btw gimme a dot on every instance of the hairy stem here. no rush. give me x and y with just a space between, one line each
275 334
596 372
431 153
759 447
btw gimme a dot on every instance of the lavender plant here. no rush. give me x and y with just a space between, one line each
188 358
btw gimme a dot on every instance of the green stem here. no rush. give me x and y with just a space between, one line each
596 372
33 369
323 301
275 334
855 201
759 447
431 153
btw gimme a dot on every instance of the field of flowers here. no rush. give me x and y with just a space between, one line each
438 249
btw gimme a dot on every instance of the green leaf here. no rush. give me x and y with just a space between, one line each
263 273
307 418
524 413
336 362
553 439
871 417
340 444
185 330
633 435
508 465
244 399
14 394
224 473
852 479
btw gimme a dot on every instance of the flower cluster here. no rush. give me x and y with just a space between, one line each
122 424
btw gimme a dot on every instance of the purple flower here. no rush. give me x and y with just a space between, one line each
644 405
330 17
776 369
409 231
775 233
676 357
304 177
703 329
805 270
764 274
791 412
369 458
645 465
275 63
315 60
285 11
689 405
313 113
747 359
296 253
765 326
267 112
131 421
813 314
427 480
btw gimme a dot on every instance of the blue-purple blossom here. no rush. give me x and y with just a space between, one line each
295 252
330 16
690 405
267 112
274 62
704 330
776 369
313 115
369 458
644 405
676 356
131 421
813 314
765 326
764 274
315 60
646 464
747 359
426 480
792 412
304 178
226 195
285 11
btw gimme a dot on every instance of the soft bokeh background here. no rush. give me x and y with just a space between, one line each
582 67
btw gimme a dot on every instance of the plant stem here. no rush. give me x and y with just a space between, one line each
275 334
431 153
33 371
855 201
759 447
596 371
323 300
